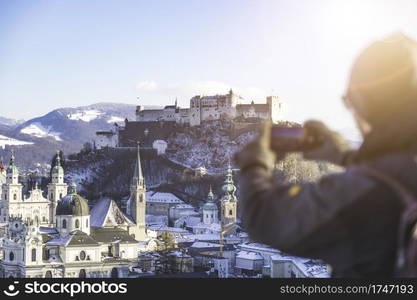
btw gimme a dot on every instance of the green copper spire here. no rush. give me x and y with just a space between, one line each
210 196
210 205
138 175
58 168
72 189
12 169
228 187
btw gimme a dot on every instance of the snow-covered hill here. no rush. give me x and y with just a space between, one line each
77 124
36 140
6 141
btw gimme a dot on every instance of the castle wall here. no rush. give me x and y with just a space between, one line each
105 139
214 108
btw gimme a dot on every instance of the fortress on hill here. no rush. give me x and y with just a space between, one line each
209 108
153 126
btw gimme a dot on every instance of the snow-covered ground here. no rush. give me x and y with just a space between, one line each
38 130
4 140
85 115
114 119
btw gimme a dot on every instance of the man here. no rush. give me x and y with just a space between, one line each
349 219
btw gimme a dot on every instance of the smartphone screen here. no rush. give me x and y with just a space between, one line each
287 132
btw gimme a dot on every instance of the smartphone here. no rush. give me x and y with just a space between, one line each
287 139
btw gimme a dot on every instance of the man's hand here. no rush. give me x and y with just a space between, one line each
258 152
332 147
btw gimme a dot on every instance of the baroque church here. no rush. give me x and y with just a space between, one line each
60 236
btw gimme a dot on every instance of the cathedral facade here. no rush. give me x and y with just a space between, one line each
60 237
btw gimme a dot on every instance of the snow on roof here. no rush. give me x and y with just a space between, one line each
160 197
249 255
259 247
162 227
47 230
188 220
156 219
99 211
60 241
213 226
183 206
205 245
207 237
106 212
179 254
309 267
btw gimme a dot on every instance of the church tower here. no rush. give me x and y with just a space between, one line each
12 191
210 211
57 189
136 207
229 200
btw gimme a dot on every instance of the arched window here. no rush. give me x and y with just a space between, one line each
11 256
64 223
33 254
43 219
14 197
77 223
83 274
48 274
230 212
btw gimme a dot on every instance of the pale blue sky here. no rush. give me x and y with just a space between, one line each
70 53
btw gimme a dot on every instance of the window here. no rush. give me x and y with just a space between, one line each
230 212
33 254
43 219
48 274
77 223
14 197
52 196
82 255
60 196
86 223
64 223
83 274
11 256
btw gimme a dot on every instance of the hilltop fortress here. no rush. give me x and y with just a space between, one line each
209 108
155 125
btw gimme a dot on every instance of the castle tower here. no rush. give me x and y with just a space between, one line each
136 207
57 189
229 200
11 192
274 108
210 211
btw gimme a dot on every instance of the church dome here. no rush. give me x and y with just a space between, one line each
73 204
210 206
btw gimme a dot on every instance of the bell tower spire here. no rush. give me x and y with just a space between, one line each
229 200
136 207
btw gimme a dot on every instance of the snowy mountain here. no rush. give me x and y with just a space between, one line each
6 123
36 140
77 125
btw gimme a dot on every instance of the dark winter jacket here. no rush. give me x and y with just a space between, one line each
347 219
